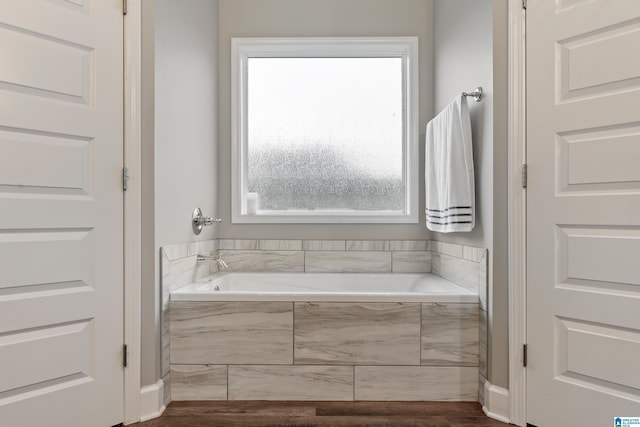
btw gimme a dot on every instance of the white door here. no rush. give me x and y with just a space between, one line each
583 152
61 213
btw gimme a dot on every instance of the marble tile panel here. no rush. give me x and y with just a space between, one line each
451 249
482 345
280 261
164 277
213 266
218 333
165 341
166 389
367 245
239 244
450 334
483 283
290 383
209 245
435 263
178 251
347 262
199 382
204 247
469 274
181 272
323 245
481 389
280 245
177 273
357 333
193 248
411 262
411 383
204 270
473 254
409 245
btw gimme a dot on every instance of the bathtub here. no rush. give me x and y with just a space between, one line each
324 336
331 287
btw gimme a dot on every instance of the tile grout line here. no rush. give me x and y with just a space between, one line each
420 340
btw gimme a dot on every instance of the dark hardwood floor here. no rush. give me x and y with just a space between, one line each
321 414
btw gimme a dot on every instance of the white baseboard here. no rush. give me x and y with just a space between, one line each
152 401
496 402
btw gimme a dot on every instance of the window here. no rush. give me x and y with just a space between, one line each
325 130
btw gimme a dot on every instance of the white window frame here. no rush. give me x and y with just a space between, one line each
405 48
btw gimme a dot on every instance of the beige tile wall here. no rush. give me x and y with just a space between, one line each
222 333
327 256
332 333
178 267
324 351
466 266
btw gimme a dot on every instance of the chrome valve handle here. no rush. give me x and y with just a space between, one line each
207 220
198 221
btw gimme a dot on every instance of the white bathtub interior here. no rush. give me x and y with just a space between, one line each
351 287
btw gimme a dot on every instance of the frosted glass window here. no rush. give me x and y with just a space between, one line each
322 138
325 133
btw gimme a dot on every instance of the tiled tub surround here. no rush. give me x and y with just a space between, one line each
466 266
442 358
327 256
324 351
178 267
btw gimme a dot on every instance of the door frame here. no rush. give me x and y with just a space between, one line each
517 210
132 72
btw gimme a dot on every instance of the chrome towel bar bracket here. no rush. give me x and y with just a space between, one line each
476 94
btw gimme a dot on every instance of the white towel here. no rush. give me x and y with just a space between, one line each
449 182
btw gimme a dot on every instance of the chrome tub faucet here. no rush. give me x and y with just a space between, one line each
200 259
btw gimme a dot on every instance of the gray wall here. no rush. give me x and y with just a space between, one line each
150 328
328 18
183 143
470 50
466 56
499 348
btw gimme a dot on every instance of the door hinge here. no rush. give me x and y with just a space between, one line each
125 178
524 4
524 175
124 7
125 356
524 355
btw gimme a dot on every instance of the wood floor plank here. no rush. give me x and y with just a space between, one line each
322 414
408 408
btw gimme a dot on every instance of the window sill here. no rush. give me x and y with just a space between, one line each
283 217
